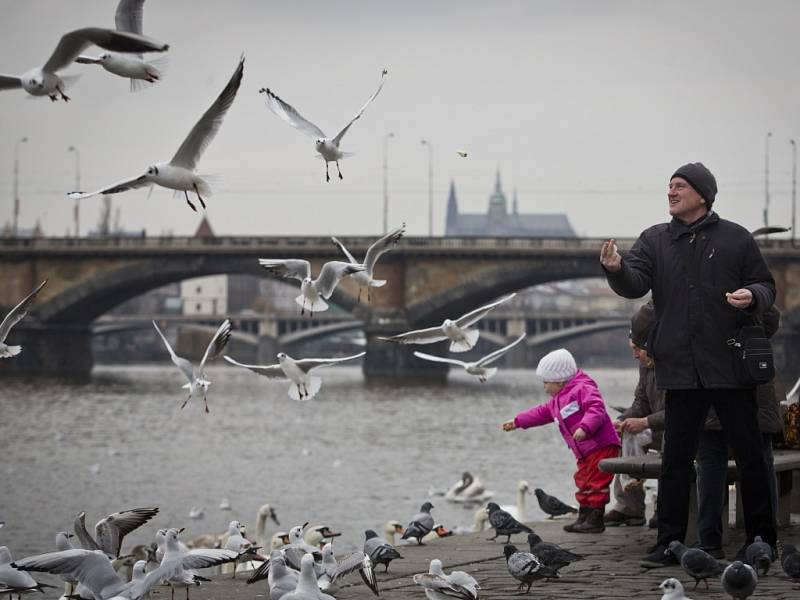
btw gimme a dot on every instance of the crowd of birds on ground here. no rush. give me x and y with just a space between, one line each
301 564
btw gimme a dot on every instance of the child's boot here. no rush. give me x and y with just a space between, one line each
583 512
593 522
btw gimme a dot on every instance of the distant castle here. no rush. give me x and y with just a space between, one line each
499 222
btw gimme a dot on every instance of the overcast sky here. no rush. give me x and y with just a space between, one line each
587 107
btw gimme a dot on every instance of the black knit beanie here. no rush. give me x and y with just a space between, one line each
701 179
641 324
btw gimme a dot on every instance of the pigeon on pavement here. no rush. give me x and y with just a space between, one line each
739 580
552 505
420 525
759 555
504 523
550 554
526 568
697 563
790 561
379 550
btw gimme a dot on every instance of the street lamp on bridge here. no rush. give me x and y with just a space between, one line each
794 186
77 188
766 180
386 181
21 140
430 185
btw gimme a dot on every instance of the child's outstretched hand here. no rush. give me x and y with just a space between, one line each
509 426
579 435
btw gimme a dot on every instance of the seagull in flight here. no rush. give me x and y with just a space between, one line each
327 147
45 81
479 367
12 318
304 385
109 531
384 244
197 378
312 291
179 173
457 331
128 18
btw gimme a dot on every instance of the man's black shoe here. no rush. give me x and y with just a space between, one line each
716 552
657 557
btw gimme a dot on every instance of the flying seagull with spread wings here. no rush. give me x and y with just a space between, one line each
304 385
14 316
480 368
327 147
179 173
457 331
312 291
197 378
45 81
384 244
141 72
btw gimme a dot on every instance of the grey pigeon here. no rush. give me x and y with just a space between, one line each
420 525
526 568
550 554
379 551
759 555
552 505
504 523
739 580
790 561
697 563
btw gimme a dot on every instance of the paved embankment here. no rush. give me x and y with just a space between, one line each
609 571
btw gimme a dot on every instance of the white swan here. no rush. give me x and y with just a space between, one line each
468 489
319 535
438 531
518 511
264 513
390 528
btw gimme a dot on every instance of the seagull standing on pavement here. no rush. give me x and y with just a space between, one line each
13 581
14 316
364 278
334 570
312 291
197 378
304 385
673 590
45 81
479 368
129 18
327 147
438 586
179 173
461 337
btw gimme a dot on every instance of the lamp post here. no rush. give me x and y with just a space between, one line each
794 186
77 188
21 140
430 185
386 181
766 180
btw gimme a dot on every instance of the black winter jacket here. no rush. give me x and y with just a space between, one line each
689 270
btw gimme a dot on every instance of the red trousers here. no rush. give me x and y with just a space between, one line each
593 484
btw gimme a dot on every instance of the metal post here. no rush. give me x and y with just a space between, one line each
16 184
386 181
430 186
794 187
766 180
77 188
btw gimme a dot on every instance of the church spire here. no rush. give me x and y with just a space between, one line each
452 210
515 207
497 187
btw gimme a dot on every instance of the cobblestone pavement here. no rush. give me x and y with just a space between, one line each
610 570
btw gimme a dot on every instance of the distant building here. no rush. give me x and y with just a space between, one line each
498 221
205 295
35 232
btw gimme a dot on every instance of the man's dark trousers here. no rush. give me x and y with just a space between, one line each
685 414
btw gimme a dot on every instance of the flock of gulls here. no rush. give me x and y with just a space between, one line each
301 564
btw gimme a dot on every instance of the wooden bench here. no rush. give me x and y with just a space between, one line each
787 468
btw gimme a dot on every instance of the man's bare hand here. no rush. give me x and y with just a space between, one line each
634 425
610 257
741 298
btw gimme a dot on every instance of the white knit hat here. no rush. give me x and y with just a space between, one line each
559 365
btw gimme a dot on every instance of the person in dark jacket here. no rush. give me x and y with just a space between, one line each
712 456
646 412
708 279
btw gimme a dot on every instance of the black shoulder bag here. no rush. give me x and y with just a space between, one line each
752 356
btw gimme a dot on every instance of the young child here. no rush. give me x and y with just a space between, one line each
578 407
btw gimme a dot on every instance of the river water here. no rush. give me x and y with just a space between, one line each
352 458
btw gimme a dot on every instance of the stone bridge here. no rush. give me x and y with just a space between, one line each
429 279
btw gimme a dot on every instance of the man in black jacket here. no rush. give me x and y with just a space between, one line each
708 278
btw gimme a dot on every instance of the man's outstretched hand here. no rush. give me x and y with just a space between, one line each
610 257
